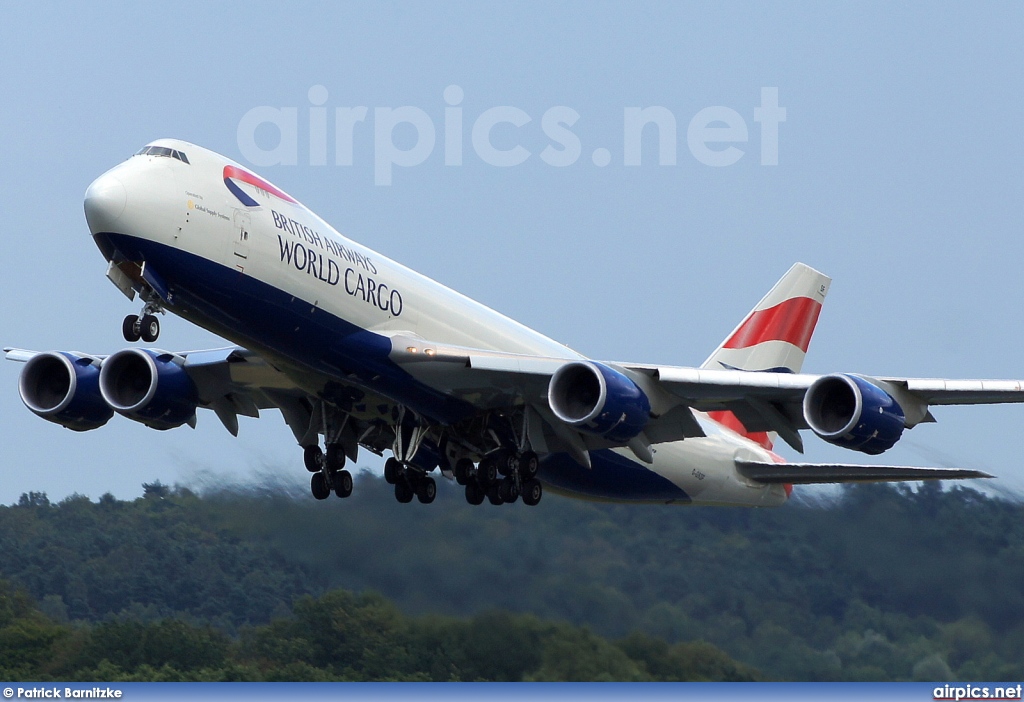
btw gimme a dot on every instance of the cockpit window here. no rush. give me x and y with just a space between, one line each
162 151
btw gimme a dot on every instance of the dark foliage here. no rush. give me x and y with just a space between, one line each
885 583
339 637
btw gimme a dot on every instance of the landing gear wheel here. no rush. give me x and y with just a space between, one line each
335 458
487 472
528 466
319 487
494 495
508 490
474 493
403 492
130 328
313 459
532 492
426 491
342 481
463 471
149 328
505 461
392 470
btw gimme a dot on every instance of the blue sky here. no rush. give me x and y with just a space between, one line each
900 174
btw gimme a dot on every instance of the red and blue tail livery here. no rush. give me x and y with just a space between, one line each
236 173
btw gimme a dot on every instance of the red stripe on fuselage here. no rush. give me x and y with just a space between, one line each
251 179
791 321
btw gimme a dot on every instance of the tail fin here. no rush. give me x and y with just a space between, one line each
774 336
776 333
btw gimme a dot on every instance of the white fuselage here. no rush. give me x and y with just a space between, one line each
280 255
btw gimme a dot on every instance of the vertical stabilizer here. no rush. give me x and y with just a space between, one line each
774 336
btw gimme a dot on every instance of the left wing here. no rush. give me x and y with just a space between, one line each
765 401
855 411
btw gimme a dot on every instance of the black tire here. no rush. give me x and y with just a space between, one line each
508 490
502 459
335 457
319 487
426 491
313 459
494 495
487 472
392 471
149 328
474 493
532 492
403 492
529 464
342 483
130 328
463 471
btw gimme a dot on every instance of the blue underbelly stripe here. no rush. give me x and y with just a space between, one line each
258 315
611 476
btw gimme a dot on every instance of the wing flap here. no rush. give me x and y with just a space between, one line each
828 473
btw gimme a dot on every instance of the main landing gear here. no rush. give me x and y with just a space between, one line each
145 326
502 477
328 471
328 467
409 479
409 482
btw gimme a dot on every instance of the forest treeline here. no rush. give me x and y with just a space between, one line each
883 583
340 637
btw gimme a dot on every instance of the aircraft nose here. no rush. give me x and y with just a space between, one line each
105 200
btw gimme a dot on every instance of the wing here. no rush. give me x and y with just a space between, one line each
229 381
765 401
762 401
234 381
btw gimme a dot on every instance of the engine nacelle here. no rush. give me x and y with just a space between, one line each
149 387
849 411
64 388
598 400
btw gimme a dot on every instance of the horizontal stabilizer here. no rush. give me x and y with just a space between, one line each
822 473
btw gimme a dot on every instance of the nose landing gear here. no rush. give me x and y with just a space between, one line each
145 326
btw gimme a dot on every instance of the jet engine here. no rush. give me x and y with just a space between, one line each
64 388
849 411
598 400
149 387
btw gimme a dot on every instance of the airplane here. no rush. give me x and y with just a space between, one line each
357 349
